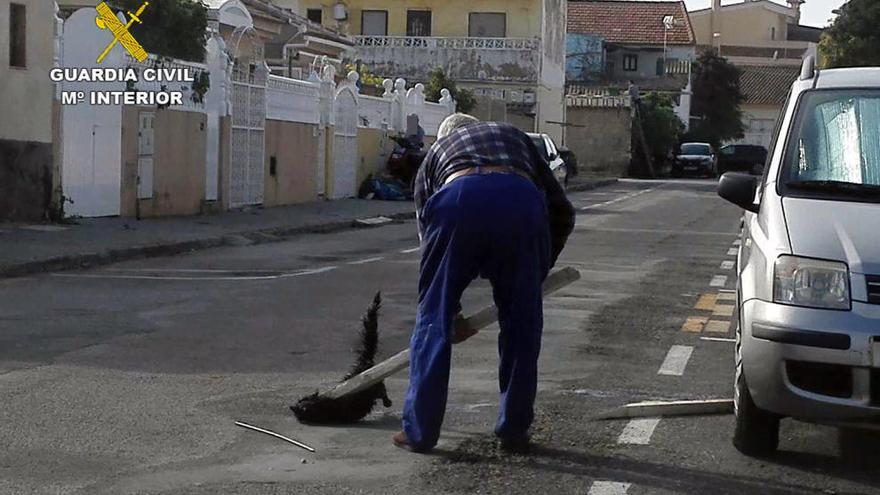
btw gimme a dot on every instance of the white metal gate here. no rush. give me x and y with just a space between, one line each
92 134
247 170
345 144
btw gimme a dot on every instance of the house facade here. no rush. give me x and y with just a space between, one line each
766 41
508 50
27 51
612 42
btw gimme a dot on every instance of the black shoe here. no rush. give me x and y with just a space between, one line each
516 446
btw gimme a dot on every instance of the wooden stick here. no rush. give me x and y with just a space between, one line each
477 321
276 435
657 409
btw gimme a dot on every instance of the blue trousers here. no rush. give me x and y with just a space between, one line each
494 226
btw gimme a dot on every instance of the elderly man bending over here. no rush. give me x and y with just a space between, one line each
489 206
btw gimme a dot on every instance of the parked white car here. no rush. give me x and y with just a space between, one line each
808 342
548 148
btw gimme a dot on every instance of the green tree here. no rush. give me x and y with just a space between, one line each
464 99
171 28
853 39
662 126
716 100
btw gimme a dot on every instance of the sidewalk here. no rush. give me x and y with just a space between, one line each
26 249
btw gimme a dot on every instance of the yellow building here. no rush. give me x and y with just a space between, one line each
766 41
510 50
27 50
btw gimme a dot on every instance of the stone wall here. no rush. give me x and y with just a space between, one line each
603 143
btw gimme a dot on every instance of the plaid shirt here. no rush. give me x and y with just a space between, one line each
493 143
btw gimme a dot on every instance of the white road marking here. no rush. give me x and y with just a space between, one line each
718 339
375 220
718 281
617 200
608 488
737 242
728 265
638 431
726 290
732 251
365 261
676 360
410 250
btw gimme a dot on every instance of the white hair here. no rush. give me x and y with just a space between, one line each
455 121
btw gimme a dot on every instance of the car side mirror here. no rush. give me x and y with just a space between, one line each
739 189
553 156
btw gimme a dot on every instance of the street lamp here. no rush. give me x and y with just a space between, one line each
717 36
669 23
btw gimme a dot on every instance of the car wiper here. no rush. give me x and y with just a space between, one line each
834 186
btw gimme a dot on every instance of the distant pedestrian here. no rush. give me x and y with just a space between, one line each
489 206
633 91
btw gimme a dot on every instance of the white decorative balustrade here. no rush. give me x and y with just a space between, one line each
293 100
462 43
375 112
463 58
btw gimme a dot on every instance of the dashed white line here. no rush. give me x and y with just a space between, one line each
410 250
676 360
365 261
608 488
638 431
737 242
732 252
718 339
617 200
727 265
718 281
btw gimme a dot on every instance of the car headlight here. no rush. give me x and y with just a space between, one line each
811 283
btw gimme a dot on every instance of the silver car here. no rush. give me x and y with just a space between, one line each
808 342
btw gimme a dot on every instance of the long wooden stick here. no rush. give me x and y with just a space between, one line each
276 435
477 321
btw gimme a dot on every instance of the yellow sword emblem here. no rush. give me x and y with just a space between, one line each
107 20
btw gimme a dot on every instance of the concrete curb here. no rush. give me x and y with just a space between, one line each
110 256
244 238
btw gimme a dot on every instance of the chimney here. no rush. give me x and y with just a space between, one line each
796 7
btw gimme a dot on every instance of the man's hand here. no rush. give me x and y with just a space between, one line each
461 331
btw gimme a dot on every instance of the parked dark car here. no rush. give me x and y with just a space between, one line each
742 158
696 159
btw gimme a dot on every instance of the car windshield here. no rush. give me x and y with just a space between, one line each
696 149
835 148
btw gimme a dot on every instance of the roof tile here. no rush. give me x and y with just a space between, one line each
630 22
766 85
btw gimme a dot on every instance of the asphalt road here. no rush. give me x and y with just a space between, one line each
129 378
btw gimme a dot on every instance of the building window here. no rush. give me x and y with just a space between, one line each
17 36
315 15
418 23
487 25
772 33
374 23
630 63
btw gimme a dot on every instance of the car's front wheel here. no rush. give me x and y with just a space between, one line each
757 431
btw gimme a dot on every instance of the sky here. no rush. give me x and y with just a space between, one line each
813 12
